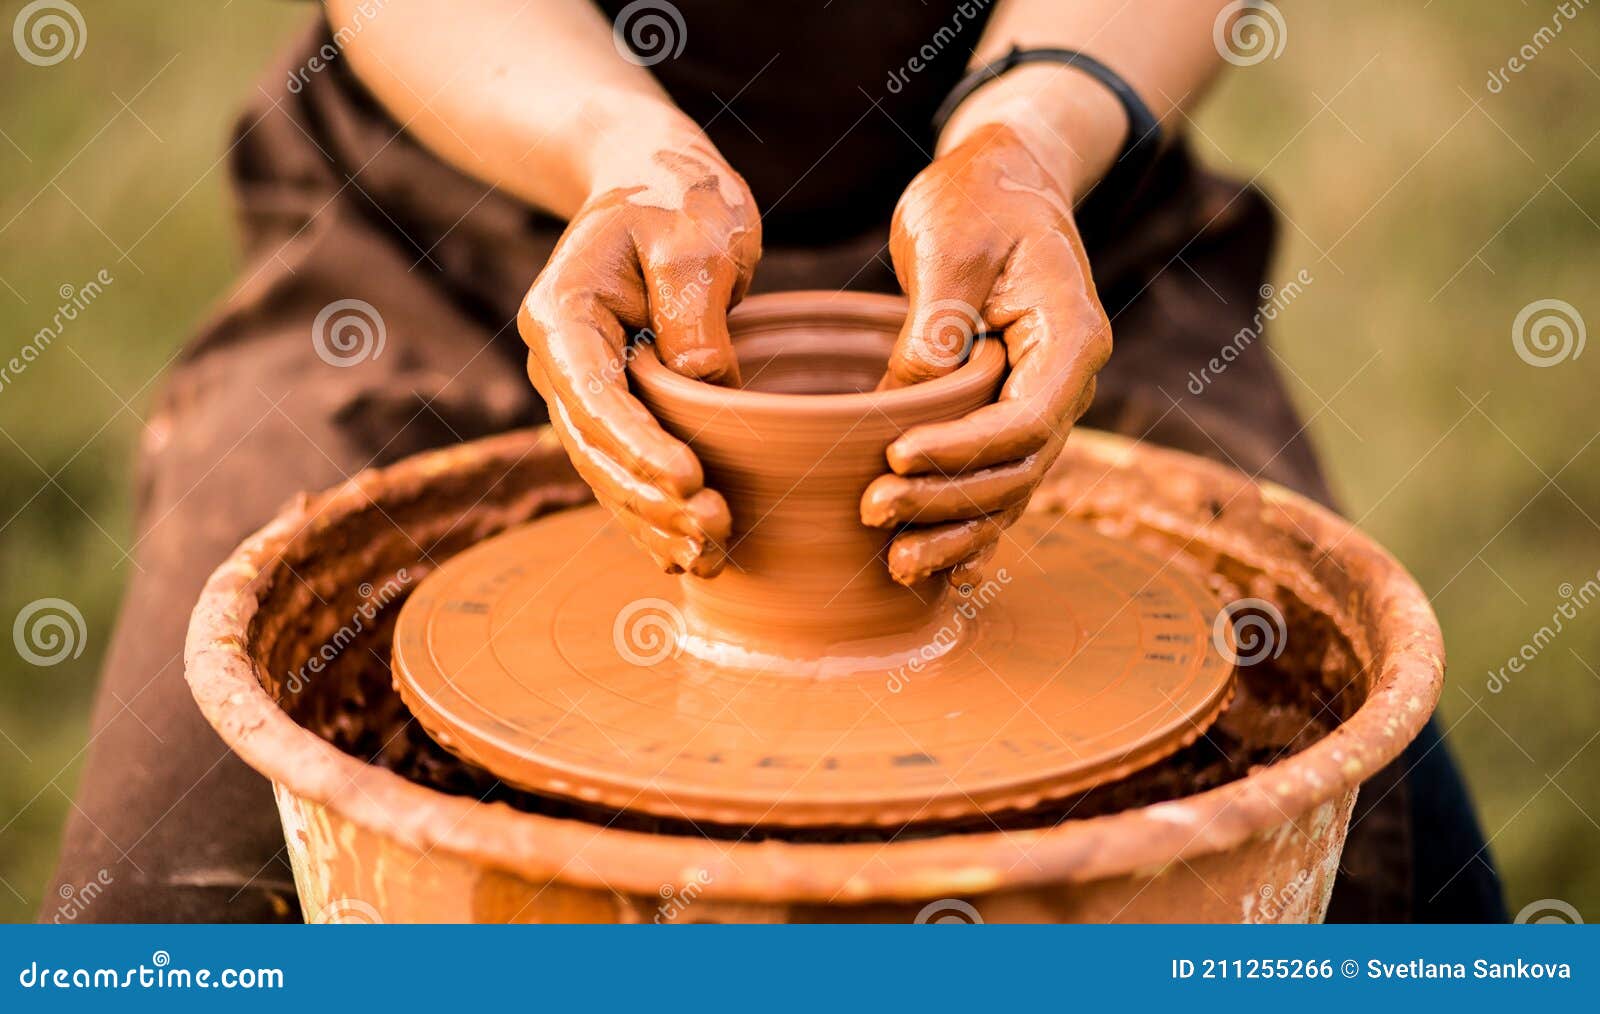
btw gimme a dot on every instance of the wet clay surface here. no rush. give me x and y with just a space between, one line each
670 249
792 452
984 240
1253 808
1078 660
804 684
1281 707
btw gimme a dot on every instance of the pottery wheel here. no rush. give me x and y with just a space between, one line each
550 656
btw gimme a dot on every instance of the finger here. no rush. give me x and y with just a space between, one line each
671 552
679 535
576 360
689 313
710 512
1056 333
1057 338
948 282
968 573
922 552
710 560
1003 431
703 516
896 500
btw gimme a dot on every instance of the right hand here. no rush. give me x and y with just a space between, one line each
669 243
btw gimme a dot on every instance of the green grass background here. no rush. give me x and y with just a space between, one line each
1428 210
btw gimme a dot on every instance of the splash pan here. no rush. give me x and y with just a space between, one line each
383 823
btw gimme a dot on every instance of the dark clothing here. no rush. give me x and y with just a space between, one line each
824 106
336 203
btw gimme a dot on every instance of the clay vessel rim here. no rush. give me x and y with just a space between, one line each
773 311
1406 650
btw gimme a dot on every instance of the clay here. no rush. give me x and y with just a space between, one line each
803 685
983 241
1362 652
669 248
673 246
1277 712
807 573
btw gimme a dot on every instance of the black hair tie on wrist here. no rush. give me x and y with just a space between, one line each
1115 191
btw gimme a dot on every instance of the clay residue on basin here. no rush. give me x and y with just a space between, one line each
1364 657
1282 706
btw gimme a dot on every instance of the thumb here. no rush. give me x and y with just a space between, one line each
947 297
689 314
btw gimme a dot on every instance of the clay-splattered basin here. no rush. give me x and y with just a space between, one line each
382 826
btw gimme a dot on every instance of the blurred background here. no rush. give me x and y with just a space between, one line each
1429 189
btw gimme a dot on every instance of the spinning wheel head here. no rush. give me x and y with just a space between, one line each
1077 661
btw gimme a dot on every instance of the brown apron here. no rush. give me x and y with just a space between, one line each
337 203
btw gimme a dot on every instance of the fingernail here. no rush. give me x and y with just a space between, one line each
707 515
881 502
707 365
904 456
906 565
711 562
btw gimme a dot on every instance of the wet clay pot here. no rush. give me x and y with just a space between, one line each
806 588
383 825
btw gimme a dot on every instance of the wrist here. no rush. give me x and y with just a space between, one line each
1072 124
625 133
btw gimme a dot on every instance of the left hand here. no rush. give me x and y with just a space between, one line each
983 240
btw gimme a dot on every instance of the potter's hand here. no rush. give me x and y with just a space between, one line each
536 98
984 240
666 242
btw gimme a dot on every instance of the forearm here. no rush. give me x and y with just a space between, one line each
1162 48
531 97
